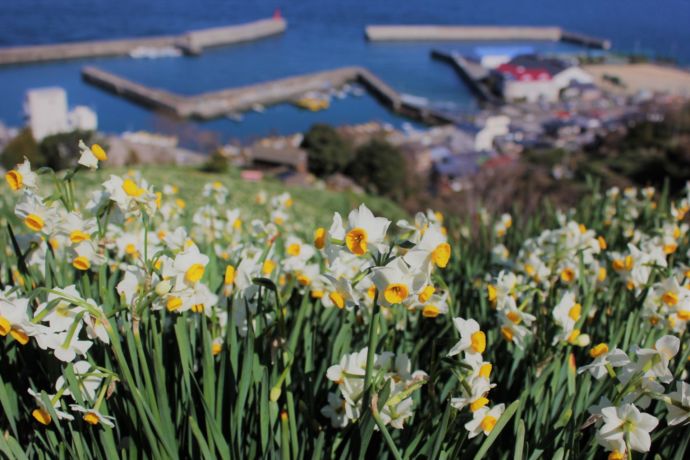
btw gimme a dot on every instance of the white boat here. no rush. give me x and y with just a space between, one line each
357 91
151 52
258 108
235 116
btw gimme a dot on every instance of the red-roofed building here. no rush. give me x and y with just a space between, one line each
532 78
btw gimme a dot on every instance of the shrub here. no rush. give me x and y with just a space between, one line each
328 152
380 168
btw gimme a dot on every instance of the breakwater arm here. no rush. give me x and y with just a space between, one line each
189 42
473 74
479 33
239 99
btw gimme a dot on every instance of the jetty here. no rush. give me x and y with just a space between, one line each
221 103
190 43
472 74
378 33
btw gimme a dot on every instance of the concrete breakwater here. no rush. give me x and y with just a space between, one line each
472 73
479 33
221 103
192 42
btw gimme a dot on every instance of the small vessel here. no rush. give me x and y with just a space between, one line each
235 116
357 91
312 102
258 108
152 52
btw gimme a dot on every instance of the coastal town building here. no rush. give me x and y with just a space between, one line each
47 113
533 78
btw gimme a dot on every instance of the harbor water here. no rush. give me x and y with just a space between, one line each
321 34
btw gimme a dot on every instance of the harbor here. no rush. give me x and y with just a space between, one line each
230 101
188 43
383 33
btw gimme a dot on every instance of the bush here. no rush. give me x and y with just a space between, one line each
216 163
24 145
328 152
380 168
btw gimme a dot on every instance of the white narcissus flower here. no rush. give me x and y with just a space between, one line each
93 416
396 282
14 318
432 250
472 339
90 157
87 377
65 346
484 420
338 293
603 357
626 421
37 216
656 360
679 407
396 414
477 399
297 253
22 177
363 233
335 411
41 414
190 265
130 196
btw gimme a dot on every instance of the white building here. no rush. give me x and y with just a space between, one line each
494 127
46 110
47 113
83 118
532 78
570 75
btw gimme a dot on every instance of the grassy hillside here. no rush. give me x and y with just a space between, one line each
315 207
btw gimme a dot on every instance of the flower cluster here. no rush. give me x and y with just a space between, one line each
394 372
623 427
475 378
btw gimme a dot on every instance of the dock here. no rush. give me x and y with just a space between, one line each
471 73
378 33
192 42
217 104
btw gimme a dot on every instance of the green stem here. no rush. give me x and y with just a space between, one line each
384 431
371 352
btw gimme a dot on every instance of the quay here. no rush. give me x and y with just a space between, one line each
480 33
192 42
470 72
216 104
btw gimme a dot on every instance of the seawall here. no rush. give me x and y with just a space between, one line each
479 33
190 42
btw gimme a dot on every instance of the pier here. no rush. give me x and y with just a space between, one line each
470 72
480 33
216 104
192 42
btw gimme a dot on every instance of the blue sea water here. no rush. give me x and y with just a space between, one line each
321 34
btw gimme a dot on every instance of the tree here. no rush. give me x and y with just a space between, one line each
23 145
380 168
328 152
